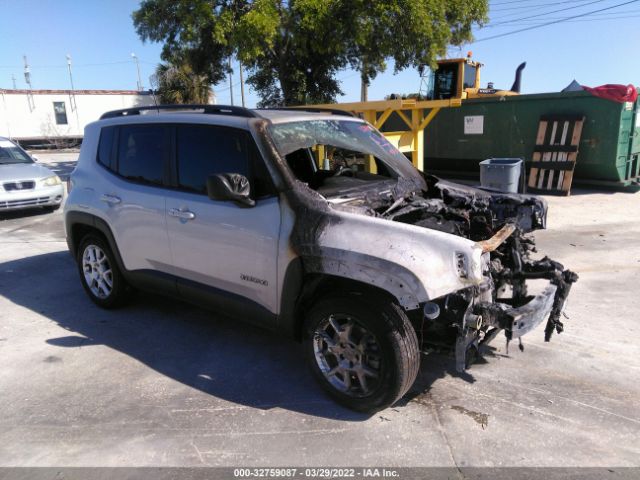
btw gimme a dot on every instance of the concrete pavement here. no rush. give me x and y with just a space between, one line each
161 383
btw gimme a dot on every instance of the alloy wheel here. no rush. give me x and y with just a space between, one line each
97 271
348 355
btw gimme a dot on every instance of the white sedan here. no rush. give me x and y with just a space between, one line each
24 183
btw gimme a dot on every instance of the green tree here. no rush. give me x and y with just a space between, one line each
410 32
181 84
193 32
293 49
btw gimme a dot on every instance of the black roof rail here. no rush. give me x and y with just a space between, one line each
209 109
313 109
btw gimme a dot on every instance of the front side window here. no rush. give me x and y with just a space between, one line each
60 110
141 152
446 81
469 76
204 150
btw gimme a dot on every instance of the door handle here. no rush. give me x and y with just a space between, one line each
185 214
110 199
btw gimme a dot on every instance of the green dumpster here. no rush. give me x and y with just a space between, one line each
458 139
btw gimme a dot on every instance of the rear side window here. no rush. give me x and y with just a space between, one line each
205 150
105 147
141 152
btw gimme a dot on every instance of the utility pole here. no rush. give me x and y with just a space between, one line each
13 79
364 94
364 81
135 59
27 72
27 79
241 84
230 81
72 94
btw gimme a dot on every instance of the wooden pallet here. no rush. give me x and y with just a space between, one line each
555 154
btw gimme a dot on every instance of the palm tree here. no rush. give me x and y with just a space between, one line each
179 84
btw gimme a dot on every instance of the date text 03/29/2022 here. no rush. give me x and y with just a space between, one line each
335 473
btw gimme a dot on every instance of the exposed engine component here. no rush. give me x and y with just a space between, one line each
501 224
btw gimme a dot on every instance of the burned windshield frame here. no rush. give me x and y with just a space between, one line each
348 135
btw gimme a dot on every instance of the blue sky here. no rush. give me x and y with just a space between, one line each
99 36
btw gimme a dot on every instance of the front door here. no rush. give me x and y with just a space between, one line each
221 251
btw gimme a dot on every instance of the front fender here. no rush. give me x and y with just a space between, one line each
391 277
412 263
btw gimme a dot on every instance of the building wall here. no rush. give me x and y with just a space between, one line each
25 116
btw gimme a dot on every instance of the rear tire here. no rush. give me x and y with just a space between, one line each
363 351
100 276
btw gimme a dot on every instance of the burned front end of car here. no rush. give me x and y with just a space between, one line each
501 225
457 259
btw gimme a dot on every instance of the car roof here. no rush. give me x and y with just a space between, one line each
218 115
177 117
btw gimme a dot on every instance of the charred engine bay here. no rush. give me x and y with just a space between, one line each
473 317
467 212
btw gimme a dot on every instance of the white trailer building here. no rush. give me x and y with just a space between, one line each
58 116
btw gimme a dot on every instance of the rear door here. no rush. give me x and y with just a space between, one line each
223 252
133 195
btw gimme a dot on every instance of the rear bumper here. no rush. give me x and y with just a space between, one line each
37 197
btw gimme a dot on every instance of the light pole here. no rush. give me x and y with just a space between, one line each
72 93
135 59
27 79
230 81
27 72
241 84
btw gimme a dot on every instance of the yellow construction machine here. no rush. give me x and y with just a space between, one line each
460 78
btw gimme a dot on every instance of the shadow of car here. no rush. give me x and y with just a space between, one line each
232 361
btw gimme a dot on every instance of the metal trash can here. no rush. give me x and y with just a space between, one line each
501 174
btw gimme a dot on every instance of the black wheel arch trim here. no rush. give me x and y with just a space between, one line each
74 218
302 286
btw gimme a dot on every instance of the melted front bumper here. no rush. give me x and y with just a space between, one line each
531 314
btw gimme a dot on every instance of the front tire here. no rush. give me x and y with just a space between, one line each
363 352
100 276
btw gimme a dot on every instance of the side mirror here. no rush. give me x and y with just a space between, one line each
230 186
35 159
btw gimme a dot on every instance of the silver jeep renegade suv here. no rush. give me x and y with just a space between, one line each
312 224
